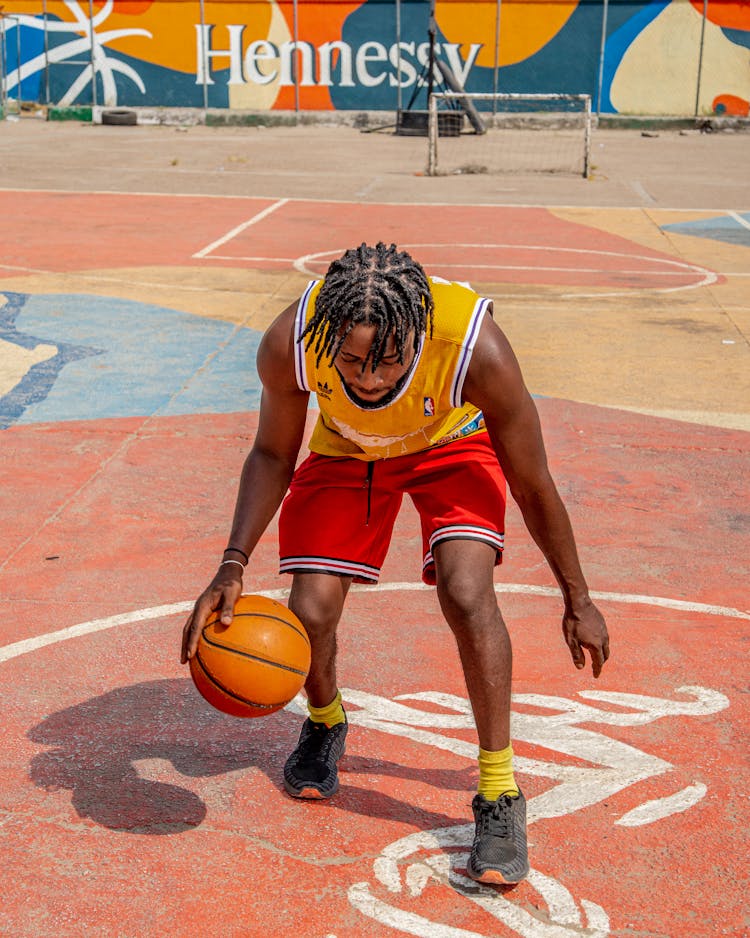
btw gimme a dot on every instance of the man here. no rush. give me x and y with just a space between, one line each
419 393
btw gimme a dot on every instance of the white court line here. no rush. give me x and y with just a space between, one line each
739 219
25 270
27 645
128 281
685 268
659 808
78 275
552 207
265 260
566 270
640 190
303 264
240 228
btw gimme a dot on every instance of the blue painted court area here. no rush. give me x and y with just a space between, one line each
80 357
732 228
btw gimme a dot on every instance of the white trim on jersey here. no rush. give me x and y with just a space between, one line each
300 371
467 349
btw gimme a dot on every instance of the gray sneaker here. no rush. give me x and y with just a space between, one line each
499 853
311 770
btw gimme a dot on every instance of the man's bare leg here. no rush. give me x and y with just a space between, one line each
467 597
311 770
317 599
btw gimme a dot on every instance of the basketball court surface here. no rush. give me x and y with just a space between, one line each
138 270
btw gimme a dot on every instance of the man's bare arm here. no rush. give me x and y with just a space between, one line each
270 463
265 475
494 383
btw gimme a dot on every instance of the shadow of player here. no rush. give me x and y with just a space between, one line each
96 747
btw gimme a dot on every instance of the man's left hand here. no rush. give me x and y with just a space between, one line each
586 628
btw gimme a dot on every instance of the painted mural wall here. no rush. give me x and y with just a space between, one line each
677 57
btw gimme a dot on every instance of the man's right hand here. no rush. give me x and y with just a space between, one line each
222 594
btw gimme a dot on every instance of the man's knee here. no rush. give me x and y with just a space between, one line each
464 584
465 603
318 600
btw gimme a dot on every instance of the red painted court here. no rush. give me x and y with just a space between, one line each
131 808
512 245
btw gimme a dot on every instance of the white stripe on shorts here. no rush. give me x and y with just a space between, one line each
463 532
471 531
362 571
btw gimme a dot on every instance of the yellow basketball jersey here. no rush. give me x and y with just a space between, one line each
429 408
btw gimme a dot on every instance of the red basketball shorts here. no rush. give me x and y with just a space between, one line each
338 515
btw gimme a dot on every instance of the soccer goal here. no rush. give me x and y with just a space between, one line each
501 133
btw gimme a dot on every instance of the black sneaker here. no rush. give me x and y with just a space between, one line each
310 771
499 853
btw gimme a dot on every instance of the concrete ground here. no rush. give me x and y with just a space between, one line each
675 169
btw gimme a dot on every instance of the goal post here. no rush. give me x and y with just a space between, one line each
519 133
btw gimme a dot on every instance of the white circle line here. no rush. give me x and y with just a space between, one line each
704 277
546 248
28 645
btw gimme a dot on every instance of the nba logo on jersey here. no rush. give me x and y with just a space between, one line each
429 407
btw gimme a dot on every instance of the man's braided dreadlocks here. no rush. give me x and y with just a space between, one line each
375 286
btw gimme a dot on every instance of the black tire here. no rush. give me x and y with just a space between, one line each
119 116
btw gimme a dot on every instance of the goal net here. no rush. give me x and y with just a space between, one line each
502 133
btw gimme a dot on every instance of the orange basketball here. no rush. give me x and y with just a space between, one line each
257 664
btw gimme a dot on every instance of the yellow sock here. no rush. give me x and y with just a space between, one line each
330 715
496 773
